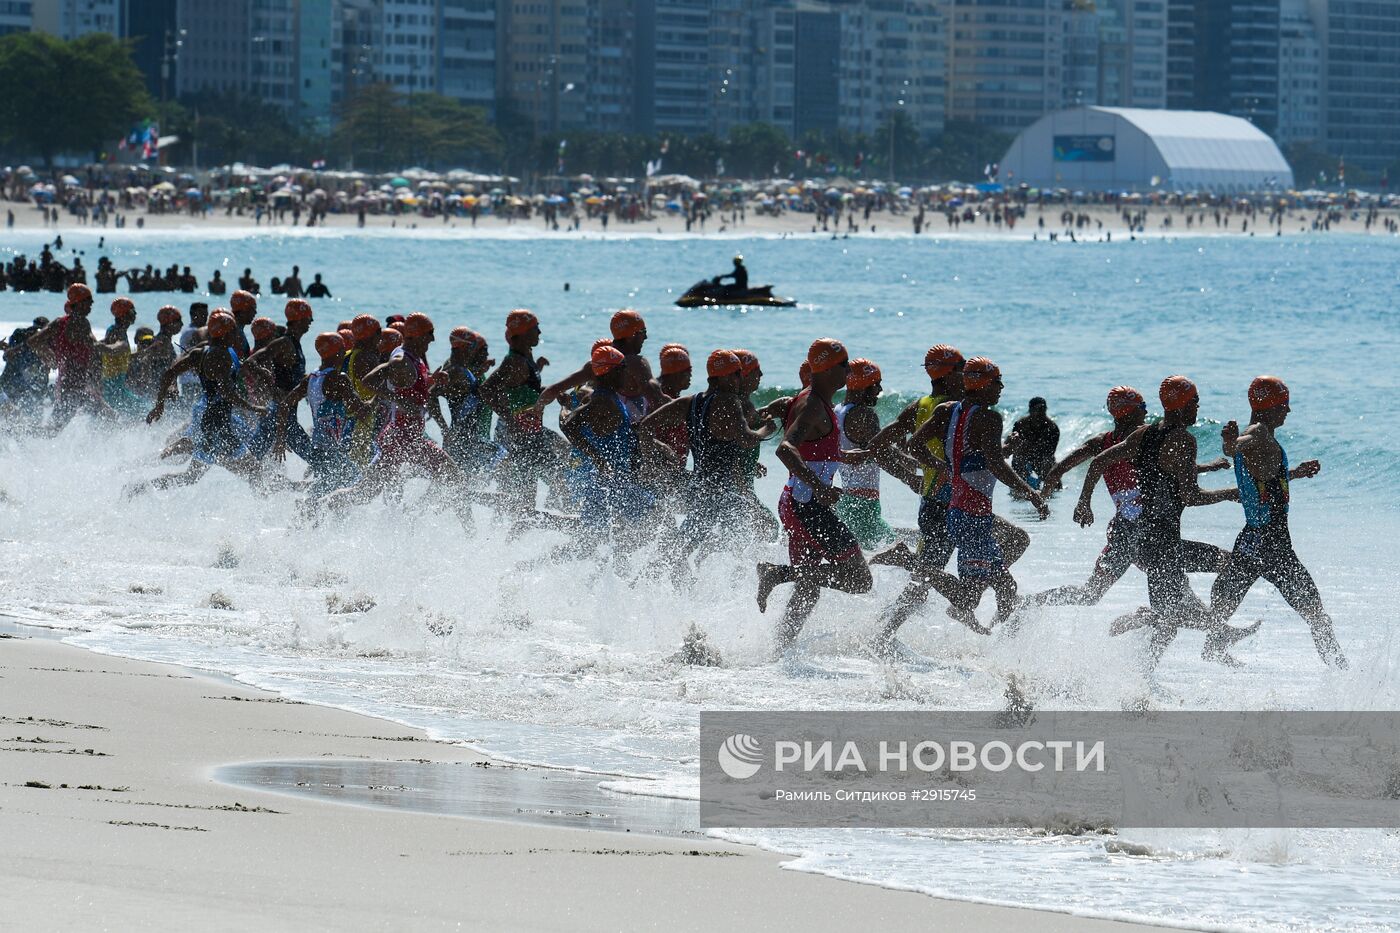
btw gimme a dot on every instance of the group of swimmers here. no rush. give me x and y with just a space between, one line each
47 273
638 448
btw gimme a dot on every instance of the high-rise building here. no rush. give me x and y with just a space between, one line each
466 46
1300 79
816 100
1005 60
1235 53
16 16
683 87
610 87
1115 53
272 52
1181 54
152 31
408 57
69 19
318 63
892 59
210 48
542 61
1361 58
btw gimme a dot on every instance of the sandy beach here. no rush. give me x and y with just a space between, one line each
1297 223
114 821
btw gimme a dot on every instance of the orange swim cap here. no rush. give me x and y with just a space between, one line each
220 324
748 362
169 314
389 339
365 326
417 324
1267 392
674 359
804 374
329 345
242 301
723 363
980 372
1176 393
396 326
863 375
825 353
1124 400
79 292
347 335
520 322
298 310
626 323
263 328
941 360
605 359
464 336
122 306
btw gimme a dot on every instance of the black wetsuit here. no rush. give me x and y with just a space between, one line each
1160 552
1264 548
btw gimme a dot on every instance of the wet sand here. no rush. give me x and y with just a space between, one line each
115 819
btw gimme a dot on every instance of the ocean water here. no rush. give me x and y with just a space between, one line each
568 664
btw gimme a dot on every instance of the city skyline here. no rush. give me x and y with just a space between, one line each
1320 72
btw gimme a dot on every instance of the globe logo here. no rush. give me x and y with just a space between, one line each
740 756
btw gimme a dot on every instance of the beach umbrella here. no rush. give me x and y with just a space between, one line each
556 199
593 199
194 193
398 182
673 205
70 180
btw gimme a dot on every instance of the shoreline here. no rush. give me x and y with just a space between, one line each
223 854
1101 220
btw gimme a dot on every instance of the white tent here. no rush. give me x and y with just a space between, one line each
1124 149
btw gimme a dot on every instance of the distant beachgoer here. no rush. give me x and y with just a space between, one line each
217 285
248 283
317 289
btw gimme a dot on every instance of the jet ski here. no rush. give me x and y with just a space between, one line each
709 293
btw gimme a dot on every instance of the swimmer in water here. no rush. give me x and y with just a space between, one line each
1125 531
468 439
859 506
1265 548
719 437
1163 456
1034 439
219 439
822 551
971 431
406 379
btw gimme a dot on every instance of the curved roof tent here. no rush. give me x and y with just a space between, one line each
1126 149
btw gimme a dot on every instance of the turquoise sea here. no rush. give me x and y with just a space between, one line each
567 664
